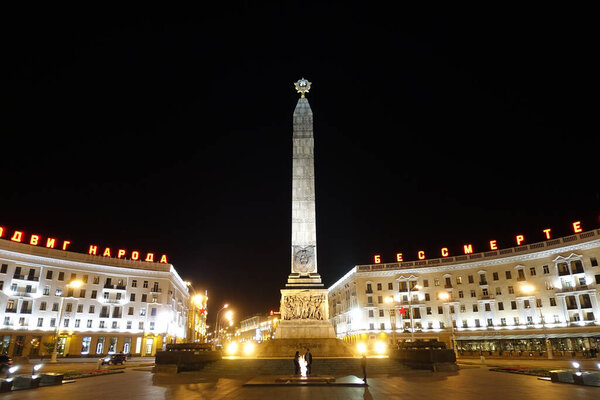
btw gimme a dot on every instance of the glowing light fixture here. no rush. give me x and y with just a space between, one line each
380 347
362 348
232 348
248 348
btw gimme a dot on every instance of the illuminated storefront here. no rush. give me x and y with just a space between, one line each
512 301
97 304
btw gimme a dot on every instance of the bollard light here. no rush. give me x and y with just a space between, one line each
11 371
598 365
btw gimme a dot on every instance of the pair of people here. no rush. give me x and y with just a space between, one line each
307 359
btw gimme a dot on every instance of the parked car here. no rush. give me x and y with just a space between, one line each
5 363
115 359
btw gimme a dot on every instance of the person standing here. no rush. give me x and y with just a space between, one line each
363 365
308 360
297 363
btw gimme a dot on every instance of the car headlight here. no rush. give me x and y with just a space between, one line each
107 359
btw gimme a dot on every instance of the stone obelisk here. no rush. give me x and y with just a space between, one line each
304 307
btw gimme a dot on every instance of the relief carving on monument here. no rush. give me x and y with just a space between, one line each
304 307
304 259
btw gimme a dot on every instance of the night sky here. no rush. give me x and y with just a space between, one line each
173 135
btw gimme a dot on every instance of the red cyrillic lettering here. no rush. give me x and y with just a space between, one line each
135 255
106 252
163 259
150 257
493 245
50 243
93 249
547 232
66 244
399 257
34 240
120 253
468 248
17 236
444 252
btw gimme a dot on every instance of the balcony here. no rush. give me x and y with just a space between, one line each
26 311
447 286
575 288
483 282
486 297
115 287
11 310
104 315
156 290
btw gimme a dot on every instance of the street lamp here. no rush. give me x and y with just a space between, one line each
217 322
390 300
74 285
445 297
530 289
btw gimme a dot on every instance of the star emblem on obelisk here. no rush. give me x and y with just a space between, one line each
302 86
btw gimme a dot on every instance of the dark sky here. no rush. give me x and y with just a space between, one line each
173 134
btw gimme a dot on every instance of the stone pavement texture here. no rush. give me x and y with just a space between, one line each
467 384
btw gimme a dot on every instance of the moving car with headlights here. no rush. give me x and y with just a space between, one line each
115 359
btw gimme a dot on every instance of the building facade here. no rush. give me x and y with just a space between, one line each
534 298
259 327
117 305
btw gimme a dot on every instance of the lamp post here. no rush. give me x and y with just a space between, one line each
217 322
390 300
445 296
74 285
529 289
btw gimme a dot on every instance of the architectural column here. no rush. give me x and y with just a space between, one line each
594 301
579 307
562 301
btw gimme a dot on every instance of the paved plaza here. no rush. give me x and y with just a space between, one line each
471 383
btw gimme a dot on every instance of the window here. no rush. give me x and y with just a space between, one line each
69 307
96 280
142 312
538 302
440 310
461 294
428 310
52 322
141 325
114 324
498 291
463 308
529 320
390 286
82 293
503 321
1 285
89 323
92 309
545 269
427 297
487 307
101 324
459 280
495 276
593 261
6 320
106 295
465 323
153 312
378 286
128 324
146 284
552 302
516 319
371 314
500 306
490 322
85 279
549 285
520 275
379 299
470 279
73 277
477 324
118 296
4 268
46 290
381 313
132 297
43 306
425 283
369 299
485 292
79 308
130 311
94 294
526 304
532 271
508 275
475 308
436 282
511 290
55 307
61 276
473 294
49 274
513 305
77 321
134 283
13 287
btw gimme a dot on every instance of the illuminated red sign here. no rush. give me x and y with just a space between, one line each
468 248
53 243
